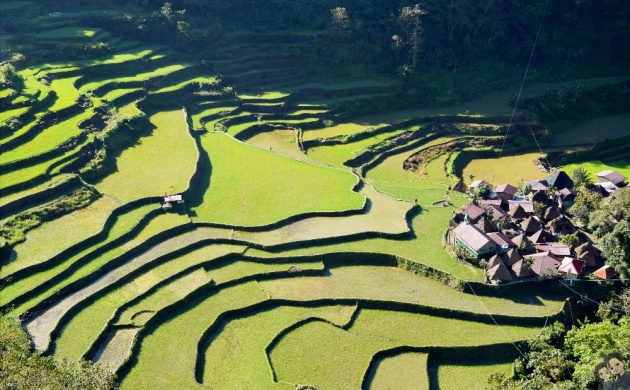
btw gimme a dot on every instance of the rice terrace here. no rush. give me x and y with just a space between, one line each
241 195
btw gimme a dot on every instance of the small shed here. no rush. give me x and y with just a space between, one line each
606 272
499 273
571 266
588 253
505 191
613 177
171 200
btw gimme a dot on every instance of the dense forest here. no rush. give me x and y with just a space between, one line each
389 35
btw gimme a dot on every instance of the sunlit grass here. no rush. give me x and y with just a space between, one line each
510 169
161 162
250 186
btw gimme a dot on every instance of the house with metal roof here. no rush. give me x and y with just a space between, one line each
474 240
613 177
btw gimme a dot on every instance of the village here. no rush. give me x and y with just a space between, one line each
528 233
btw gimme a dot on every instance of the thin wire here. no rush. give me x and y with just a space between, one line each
594 301
520 91
491 316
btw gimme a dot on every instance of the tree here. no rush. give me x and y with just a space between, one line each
570 240
590 343
581 177
340 17
409 18
585 203
600 223
615 248
482 192
611 223
22 369
539 209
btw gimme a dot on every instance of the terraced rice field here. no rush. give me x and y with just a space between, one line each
297 254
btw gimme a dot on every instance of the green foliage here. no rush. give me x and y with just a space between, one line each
13 229
539 209
611 223
7 74
600 223
573 104
570 240
581 177
585 203
22 369
590 343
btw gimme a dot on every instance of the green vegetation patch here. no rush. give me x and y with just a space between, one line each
390 177
82 330
474 377
250 186
592 131
338 154
404 371
123 224
510 169
48 139
167 355
155 226
393 284
425 330
67 94
69 33
53 236
9 5
426 247
236 357
323 355
596 166
161 162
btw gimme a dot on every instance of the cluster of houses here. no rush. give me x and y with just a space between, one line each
517 232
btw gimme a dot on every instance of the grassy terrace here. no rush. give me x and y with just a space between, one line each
141 77
162 162
392 284
265 181
596 166
166 358
236 358
47 240
123 224
48 139
154 227
69 33
337 154
318 352
510 169
67 94
201 80
405 371
81 331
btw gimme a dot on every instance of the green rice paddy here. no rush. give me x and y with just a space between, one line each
162 162
247 179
